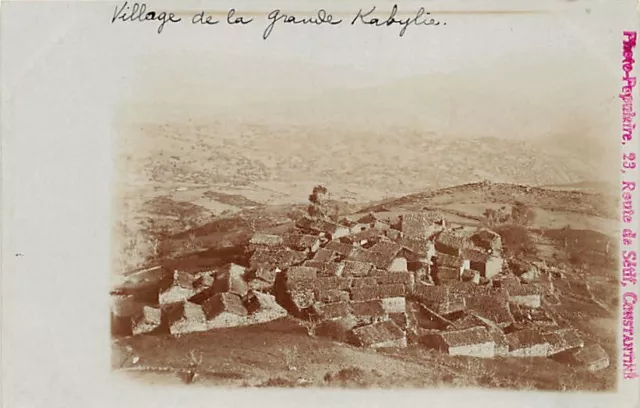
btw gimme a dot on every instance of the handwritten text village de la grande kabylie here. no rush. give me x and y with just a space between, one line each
140 12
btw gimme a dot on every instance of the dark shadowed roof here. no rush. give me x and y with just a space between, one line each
300 242
525 338
368 219
333 310
280 257
385 252
324 255
418 246
318 225
342 249
448 260
223 302
564 339
301 272
451 239
486 239
475 255
378 333
419 225
371 308
362 255
355 268
494 307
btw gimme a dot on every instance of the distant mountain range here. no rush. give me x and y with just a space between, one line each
535 125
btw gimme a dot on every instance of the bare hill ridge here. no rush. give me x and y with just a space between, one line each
273 163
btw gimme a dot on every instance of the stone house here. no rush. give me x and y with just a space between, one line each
564 341
147 321
403 320
394 304
358 282
536 316
383 255
393 234
526 271
225 310
379 335
594 357
331 311
528 343
364 293
325 255
470 275
125 305
184 317
451 243
298 303
473 342
356 268
493 306
368 219
268 261
471 319
326 269
449 267
452 305
264 241
419 225
333 282
231 279
340 248
203 280
331 295
368 312
385 278
431 295
527 295
423 249
298 277
365 239
301 242
263 308
124 308
391 290
506 282
488 264
320 226
181 289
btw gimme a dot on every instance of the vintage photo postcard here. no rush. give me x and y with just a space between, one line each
319 203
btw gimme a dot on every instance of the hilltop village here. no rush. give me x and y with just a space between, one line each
374 282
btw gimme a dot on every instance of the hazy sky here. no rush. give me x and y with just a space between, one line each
567 57
225 65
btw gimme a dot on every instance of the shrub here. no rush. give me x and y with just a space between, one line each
522 214
516 240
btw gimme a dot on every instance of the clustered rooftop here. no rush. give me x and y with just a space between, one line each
376 281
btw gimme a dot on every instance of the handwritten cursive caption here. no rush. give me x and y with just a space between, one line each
629 254
141 13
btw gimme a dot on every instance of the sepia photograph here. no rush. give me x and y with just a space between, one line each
322 209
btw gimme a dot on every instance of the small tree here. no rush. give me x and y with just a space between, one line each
318 199
496 217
